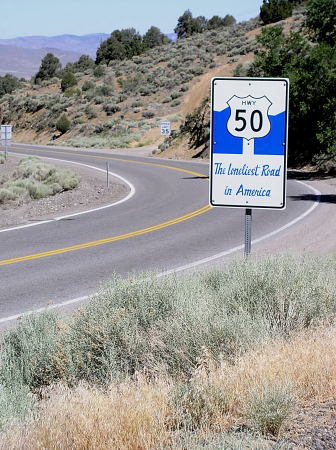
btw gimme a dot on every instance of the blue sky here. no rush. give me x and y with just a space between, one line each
53 17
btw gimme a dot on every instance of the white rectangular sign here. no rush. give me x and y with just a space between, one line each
249 124
6 132
165 128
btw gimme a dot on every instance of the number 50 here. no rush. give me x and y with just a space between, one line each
256 116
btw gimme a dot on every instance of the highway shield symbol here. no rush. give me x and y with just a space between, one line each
249 117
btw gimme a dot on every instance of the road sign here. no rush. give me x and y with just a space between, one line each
249 142
6 132
165 128
6 137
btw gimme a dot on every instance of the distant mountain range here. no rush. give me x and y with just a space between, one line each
21 56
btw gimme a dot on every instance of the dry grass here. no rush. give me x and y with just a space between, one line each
306 364
128 415
137 414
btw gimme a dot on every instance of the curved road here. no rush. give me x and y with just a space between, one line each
167 223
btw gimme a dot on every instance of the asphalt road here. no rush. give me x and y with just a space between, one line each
166 224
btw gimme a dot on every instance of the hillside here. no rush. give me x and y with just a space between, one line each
123 105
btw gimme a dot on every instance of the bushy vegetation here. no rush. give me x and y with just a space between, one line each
188 25
49 68
84 63
220 347
115 133
35 179
124 44
8 84
63 124
274 10
146 323
157 78
68 80
311 70
321 19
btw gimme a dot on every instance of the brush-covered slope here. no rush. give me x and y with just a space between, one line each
122 105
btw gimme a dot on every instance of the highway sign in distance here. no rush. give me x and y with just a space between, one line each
249 142
6 132
165 128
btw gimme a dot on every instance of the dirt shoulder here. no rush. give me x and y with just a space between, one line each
92 192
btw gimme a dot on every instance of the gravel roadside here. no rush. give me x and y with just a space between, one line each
92 192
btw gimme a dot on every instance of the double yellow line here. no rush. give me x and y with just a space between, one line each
120 237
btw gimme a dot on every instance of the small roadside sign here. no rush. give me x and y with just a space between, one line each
6 137
249 124
165 128
6 132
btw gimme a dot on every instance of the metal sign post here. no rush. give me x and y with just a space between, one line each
249 122
248 231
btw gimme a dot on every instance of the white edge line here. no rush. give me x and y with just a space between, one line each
187 266
130 194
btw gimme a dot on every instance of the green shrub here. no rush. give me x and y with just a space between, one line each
72 92
49 68
136 104
103 91
145 323
90 112
87 85
274 10
175 95
68 80
111 109
7 195
38 179
8 84
270 408
175 103
99 71
63 124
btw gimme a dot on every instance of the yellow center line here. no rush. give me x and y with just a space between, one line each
107 240
120 237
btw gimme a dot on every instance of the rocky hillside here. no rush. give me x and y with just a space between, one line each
122 105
